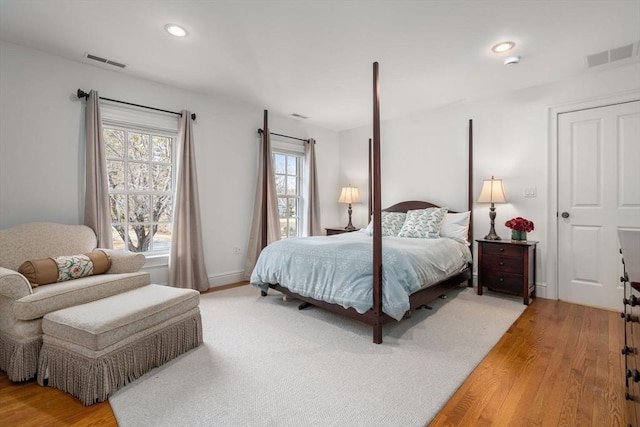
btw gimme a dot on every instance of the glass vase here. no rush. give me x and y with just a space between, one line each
518 236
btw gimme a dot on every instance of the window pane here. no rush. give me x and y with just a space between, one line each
115 173
118 241
292 185
118 205
114 143
279 163
138 146
161 179
161 149
162 238
282 207
138 176
292 206
139 238
293 227
162 208
139 208
292 165
281 184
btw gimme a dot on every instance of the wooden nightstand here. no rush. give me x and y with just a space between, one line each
506 266
338 230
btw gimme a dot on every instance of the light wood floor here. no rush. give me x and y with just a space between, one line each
558 365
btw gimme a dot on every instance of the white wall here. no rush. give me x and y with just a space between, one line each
424 157
42 154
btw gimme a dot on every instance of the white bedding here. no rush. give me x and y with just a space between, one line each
338 269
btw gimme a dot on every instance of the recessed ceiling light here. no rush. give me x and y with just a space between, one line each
503 47
176 30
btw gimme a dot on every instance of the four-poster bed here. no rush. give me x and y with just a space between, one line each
434 280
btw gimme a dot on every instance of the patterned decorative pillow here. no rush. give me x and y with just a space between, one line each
391 223
423 223
58 269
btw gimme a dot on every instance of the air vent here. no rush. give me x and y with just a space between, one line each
300 116
612 55
104 61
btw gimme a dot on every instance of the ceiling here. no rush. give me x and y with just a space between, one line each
313 57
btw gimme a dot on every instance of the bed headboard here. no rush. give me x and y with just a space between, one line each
417 204
410 205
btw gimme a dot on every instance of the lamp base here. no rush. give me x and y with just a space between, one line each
349 226
492 231
493 236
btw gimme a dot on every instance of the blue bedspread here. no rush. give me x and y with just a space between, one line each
337 269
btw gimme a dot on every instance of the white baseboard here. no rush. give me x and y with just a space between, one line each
225 278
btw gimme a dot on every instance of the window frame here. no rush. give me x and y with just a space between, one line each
291 149
134 121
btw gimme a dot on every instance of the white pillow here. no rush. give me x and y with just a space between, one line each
456 226
423 223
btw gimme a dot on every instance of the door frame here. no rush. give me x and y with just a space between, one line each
552 289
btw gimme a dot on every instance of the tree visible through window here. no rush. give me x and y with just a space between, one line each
140 170
288 174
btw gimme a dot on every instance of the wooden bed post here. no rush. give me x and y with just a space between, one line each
377 215
265 180
370 191
470 197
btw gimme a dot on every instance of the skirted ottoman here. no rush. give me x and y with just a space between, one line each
92 350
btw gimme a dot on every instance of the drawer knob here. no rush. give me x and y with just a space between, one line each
632 301
501 262
628 350
501 249
630 318
633 374
502 279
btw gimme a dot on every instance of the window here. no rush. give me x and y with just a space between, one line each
288 174
140 168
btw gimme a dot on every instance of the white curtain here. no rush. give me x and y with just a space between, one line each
273 222
96 199
186 262
311 197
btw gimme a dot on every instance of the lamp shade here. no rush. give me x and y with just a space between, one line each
349 194
492 191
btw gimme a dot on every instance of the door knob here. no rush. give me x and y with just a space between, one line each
565 214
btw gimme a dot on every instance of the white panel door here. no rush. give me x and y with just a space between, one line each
598 193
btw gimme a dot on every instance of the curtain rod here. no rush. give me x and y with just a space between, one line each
285 136
83 94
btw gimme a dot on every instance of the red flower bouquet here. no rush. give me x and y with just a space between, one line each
520 224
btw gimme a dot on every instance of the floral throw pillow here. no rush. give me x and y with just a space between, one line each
73 267
391 223
423 223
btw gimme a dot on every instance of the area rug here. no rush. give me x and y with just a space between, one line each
266 363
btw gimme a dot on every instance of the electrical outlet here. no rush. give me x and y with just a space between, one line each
530 192
236 250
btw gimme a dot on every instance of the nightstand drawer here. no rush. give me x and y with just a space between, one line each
510 250
503 263
504 282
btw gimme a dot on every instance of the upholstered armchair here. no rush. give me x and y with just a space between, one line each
24 250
